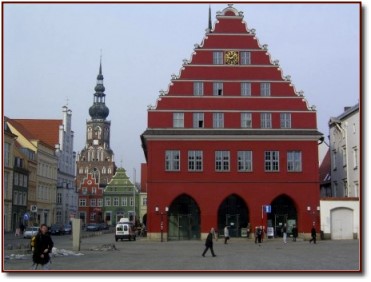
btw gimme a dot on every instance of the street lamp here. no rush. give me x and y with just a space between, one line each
157 210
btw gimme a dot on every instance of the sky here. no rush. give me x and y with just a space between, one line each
52 53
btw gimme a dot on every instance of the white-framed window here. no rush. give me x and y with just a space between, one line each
218 58
355 158
266 120
194 160
115 201
59 216
198 88
104 170
244 161
124 201
245 89
245 58
100 202
131 201
6 184
218 120
222 159
93 202
246 120
178 120
271 160
172 160
7 154
218 88
59 198
334 159
344 151
107 201
285 120
265 89
144 201
294 163
198 120
82 202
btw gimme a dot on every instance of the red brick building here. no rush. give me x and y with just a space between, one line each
230 136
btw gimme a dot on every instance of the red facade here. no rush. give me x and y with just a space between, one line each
230 136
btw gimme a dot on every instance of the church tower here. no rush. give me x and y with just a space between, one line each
96 157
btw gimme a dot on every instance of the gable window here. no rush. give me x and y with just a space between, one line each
245 89
265 89
198 88
266 120
244 160
245 58
172 160
107 201
285 120
271 162
218 88
246 120
294 161
194 160
178 120
217 58
222 160
115 201
218 120
198 120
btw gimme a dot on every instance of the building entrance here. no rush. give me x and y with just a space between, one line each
283 212
233 212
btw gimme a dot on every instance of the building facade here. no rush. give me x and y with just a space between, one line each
120 198
96 158
230 137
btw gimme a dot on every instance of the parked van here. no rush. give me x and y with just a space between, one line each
125 230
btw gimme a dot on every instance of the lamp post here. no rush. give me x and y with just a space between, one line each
157 210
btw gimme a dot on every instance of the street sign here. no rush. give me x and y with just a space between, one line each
26 217
268 209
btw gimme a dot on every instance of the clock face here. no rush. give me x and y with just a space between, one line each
231 57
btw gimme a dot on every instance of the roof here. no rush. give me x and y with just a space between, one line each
345 114
325 169
46 130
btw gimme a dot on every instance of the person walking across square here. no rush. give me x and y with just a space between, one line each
209 243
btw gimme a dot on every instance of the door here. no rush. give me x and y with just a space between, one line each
233 221
341 224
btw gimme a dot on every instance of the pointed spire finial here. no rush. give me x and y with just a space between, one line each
210 23
100 64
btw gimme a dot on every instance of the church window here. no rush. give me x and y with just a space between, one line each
90 135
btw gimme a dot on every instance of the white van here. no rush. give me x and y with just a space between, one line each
125 230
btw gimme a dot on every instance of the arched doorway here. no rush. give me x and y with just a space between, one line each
184 219
283 211
234 213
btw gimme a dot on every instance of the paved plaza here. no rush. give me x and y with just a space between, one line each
240 254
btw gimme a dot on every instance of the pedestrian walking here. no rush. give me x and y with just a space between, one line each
313 233
284 232
42 248
260 234
209 243
294 233
21 227
256 234
226 234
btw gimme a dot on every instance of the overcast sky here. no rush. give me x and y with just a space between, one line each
52 51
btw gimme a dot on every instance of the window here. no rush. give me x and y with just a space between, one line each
15 198
245 58
81 170
244 160
24 203
334 159
178 120
218 88
194 160
271 160
6 184
222 161
92 216
93 202
172 160
355 158
198 120
131 201
285 120
82 202
217 58
7 154
344 151
246 120
16 178
107 201
356 192
100 202
59 198
198 88
84 190
245 89
59 216
265 89
124 201
218 120
294 161
266 120
345 184
144 201
115 201
335 189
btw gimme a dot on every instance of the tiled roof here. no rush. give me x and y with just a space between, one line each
46 130
325 169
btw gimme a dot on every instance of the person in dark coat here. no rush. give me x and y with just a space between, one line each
294 233
209 243
313 234
43 247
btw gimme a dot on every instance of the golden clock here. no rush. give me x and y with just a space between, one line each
231 57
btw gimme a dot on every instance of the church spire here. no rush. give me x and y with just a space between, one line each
99 109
